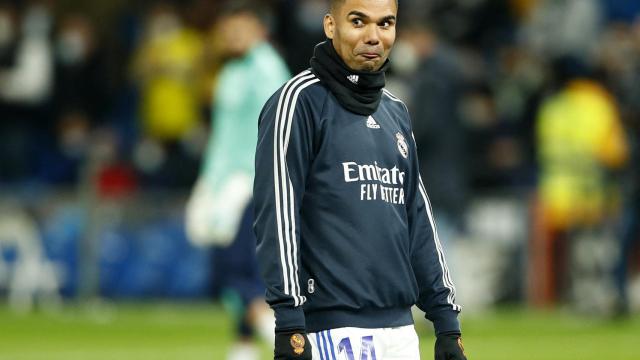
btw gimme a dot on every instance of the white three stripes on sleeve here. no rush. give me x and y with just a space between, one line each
285 200
446 277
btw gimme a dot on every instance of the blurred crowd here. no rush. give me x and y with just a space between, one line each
535 98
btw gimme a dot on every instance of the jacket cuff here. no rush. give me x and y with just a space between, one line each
289 318
445 321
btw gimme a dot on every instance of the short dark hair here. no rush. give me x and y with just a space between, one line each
334 4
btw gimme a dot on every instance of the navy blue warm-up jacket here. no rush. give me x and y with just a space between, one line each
346 235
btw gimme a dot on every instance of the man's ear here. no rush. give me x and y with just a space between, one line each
329 26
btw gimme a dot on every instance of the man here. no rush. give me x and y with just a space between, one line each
346 238
220 211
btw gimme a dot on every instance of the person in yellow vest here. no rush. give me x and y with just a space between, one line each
166 67
580 138
580 141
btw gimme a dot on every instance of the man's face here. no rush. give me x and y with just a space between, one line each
363 32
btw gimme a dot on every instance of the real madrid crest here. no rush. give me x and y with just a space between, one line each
402 145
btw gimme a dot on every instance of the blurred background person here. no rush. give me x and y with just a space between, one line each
220 210
167 67
581 144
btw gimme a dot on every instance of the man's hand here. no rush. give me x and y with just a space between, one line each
449 347
292 345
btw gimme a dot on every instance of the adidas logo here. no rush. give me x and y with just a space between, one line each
372 124
353 78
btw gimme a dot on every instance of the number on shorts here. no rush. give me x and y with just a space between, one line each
367 350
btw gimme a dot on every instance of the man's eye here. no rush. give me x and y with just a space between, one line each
357 22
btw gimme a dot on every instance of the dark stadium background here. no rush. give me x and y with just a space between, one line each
94 189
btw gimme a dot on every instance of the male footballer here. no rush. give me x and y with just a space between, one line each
346 239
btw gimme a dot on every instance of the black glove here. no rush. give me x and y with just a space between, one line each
292 345
449 347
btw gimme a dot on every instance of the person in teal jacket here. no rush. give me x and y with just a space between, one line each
220 211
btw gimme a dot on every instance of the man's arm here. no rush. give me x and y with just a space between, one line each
283 154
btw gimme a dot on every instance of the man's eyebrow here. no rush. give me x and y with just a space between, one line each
358 14
365 16
388 18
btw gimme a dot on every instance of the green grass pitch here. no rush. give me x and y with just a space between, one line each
200 331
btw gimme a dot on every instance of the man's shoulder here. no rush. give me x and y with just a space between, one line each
393 101
305 82
301 91
304 85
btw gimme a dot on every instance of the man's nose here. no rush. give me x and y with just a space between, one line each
372 37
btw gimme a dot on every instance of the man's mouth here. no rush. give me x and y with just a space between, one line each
370 56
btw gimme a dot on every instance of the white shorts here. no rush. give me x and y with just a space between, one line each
398 343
